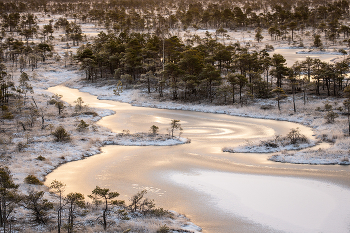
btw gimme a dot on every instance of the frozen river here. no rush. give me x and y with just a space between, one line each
221 192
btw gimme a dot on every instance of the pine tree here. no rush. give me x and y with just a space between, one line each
8 196
100 195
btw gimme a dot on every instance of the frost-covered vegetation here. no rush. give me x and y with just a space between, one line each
41 150
148 139
294 140
203 56
25 212
313 113
153 138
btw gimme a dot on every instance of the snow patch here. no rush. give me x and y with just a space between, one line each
145 139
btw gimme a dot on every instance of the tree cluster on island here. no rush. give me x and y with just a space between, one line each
153 137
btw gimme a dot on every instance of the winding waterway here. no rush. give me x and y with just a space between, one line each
221 192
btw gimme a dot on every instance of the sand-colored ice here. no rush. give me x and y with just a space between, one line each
197 179
286 204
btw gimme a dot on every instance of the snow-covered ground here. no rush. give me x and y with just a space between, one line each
146 139
35 151
41 142
318 52
332 155
266 149
305 114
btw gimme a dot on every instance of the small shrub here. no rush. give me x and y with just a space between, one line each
31 179
328 107
21 146
126 131
318 109
41 158
159 212
325 138
296 137
61 135
330 117
123 214
342 51
119 88
94 114
52 101
83 126
266 107
7 115
154 129
79 104
50 127
164 229
94 128
269 47
271 144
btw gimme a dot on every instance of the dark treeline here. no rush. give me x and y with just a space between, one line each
141 46
280 16
207 70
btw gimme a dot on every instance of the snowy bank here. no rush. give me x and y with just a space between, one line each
146 139
266 148
318 52
294 140
330 156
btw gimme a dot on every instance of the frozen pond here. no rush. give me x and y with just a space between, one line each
291 55
220 192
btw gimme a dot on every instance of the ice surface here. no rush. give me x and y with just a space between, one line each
286 204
